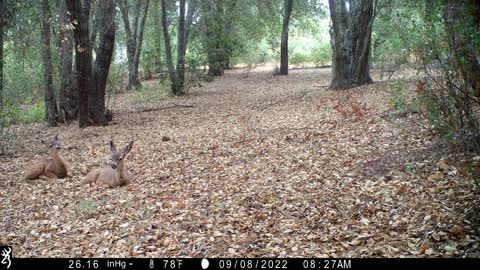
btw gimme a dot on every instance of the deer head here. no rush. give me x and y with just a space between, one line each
54 146
118 157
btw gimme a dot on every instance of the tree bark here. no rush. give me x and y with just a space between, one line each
68 94
351 38
192 6
214 32
288 5
50 100
134 38
80 11
181 49
106 26
168 49
157 38
2 27
139 41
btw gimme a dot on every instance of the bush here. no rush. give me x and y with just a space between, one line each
150 94
296 58
322 55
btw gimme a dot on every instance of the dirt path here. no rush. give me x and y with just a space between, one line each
256 166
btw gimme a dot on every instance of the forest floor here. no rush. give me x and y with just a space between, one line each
249 165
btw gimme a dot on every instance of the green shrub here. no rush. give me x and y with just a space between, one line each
322 55
297 58
150 94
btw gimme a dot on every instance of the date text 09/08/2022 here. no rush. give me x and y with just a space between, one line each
211 264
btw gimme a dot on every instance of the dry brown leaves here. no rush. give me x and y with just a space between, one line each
259 166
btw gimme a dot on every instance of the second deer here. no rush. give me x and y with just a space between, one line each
114 175
53 167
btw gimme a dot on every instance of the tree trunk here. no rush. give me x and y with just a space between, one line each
139 41
181 49
351 38
157 37
288 4
192 6
214 28
134 39
462 19
106 26
50 100
68 94
168 49
80 11
2 23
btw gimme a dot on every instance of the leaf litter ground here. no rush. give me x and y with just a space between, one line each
250 165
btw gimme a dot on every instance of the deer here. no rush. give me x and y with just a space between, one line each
54 167
114 175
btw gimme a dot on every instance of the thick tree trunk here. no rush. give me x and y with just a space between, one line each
351 38
462 18
288 4
68 94
80 11
50 100
168 49
106 26
181 49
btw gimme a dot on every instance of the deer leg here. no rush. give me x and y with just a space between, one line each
51 175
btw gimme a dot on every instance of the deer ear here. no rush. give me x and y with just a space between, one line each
55 139
127 148
113 149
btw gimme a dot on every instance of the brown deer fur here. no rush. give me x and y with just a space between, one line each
114 175
53 167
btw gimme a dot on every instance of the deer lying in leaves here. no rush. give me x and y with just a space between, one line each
114 175
53 167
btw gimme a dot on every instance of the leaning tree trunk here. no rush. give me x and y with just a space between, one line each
50 100
351 38
168 49
80 11
106 26
462 20
284 40
68 94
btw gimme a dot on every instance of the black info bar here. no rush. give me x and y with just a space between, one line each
240 263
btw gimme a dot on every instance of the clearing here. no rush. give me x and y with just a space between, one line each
255 165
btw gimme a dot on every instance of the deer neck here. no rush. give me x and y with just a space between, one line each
59 161
121 170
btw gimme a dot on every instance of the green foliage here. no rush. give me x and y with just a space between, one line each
397 33
448 93
150 94
25 114
297 58
398 100
302 52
